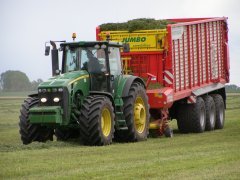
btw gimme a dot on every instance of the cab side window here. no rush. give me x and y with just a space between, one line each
115 61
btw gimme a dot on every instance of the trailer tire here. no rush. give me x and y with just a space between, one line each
183 118
32 132
97 121
197 116
136 114
220 111
210 113
168 132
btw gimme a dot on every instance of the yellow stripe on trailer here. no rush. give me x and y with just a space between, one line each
142 40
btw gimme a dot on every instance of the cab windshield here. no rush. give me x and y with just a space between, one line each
90 59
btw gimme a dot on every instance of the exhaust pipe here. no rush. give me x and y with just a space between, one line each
55 61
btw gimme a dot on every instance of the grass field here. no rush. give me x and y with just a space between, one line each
210 155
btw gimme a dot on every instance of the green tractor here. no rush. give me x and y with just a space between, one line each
89 98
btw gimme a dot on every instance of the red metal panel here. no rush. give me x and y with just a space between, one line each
194 21
179 66
159 98
168 64
184 64
204 54
198 56
142 63
182 20
209 50
189 57
98 30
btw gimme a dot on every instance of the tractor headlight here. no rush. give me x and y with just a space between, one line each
56 99
43 100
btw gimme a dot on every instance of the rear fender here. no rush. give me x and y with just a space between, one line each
126 84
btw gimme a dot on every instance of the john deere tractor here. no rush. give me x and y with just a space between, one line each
89 98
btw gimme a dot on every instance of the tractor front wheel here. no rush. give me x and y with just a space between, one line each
32 132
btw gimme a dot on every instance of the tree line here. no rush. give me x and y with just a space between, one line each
232 88
13 81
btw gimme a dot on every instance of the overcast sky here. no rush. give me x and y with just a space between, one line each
25 25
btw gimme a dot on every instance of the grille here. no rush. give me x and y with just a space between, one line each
63 103
50 96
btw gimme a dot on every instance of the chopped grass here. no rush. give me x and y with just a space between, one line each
136 24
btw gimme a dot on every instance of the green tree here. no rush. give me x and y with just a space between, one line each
14 81
232 88
34 84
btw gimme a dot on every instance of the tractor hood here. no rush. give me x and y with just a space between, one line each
64 79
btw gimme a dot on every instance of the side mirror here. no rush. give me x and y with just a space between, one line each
47 50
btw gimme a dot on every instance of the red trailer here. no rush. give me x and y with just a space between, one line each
186 67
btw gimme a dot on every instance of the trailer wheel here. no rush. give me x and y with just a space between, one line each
136 113
197 116
32 132
168 132
210 113
183 118
97 121
65 134
220 111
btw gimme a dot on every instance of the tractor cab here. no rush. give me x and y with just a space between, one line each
100 59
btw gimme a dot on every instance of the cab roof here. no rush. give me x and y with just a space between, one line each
91 43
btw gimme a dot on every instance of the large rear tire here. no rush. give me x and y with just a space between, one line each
220 111
183 118
136 113
197 116
32 132
192 117
97 121
210 113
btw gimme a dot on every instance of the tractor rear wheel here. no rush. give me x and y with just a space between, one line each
220 111
210 113
97 121
32 132
136 113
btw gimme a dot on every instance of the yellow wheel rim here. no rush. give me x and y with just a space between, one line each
139 115
106 122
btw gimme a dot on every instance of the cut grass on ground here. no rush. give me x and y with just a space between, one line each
210 155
